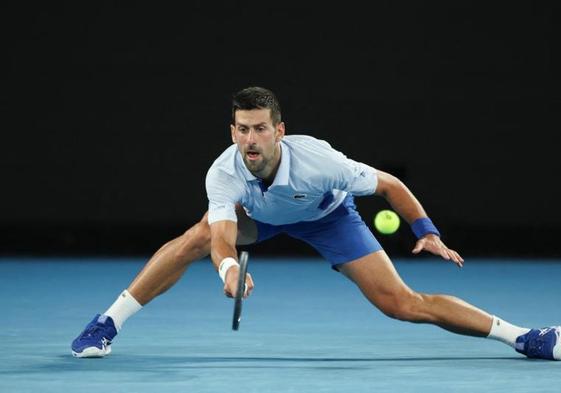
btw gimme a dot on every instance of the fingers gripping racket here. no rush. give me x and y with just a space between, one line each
238 299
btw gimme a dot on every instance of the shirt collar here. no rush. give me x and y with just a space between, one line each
281 178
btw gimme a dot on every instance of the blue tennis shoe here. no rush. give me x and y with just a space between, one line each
541 343
95 340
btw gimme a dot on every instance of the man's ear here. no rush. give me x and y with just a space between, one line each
233 132
280 132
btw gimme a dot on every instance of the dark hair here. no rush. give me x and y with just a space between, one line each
256 98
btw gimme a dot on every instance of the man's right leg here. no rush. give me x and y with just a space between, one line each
161 272
169 263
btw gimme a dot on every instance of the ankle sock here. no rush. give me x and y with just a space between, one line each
123 308
505 332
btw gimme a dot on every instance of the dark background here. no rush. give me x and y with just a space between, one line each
112 115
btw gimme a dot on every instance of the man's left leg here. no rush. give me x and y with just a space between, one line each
378 280
343 238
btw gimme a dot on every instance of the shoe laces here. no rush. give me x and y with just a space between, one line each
95 331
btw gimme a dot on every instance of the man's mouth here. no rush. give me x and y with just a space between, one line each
252 155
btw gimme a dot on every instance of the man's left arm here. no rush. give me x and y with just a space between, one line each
410 209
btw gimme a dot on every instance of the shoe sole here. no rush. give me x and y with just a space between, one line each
93 352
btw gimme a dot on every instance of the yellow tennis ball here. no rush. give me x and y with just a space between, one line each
386 222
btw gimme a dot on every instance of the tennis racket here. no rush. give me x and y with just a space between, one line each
238 299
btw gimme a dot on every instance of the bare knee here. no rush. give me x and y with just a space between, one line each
195 243
404 307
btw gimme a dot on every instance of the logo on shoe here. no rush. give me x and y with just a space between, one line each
544 331
105 342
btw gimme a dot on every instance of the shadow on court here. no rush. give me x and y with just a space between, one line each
162 363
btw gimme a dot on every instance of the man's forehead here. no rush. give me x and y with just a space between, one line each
253 116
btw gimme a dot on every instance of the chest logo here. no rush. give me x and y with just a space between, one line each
300 196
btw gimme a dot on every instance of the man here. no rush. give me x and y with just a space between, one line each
267 183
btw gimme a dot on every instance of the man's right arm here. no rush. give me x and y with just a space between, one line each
223 236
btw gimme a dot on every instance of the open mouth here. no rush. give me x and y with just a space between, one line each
252 155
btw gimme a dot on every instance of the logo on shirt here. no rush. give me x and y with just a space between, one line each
299 196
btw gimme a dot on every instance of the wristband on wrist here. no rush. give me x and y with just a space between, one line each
423 226
226 264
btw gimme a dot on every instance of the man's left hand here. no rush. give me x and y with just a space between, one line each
433 244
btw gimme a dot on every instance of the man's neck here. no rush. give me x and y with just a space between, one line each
270 178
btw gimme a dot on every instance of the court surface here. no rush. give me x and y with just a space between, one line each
305 329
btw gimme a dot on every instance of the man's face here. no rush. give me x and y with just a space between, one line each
257 139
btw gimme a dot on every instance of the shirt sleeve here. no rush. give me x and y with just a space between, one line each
352 176
362 178
223 192
357 178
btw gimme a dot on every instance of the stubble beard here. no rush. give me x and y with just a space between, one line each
255 166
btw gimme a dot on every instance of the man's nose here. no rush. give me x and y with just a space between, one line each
251 136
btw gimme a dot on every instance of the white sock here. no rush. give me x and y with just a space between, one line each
505 332
124 307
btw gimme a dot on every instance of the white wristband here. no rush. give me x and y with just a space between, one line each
226 264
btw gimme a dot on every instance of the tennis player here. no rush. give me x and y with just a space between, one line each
267 183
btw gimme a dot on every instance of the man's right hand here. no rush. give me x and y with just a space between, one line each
231 282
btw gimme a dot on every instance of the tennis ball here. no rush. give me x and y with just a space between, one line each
386 222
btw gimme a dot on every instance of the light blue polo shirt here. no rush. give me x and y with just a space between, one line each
312 181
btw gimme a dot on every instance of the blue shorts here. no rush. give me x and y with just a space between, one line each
340 237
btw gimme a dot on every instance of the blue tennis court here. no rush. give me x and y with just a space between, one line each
305 329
